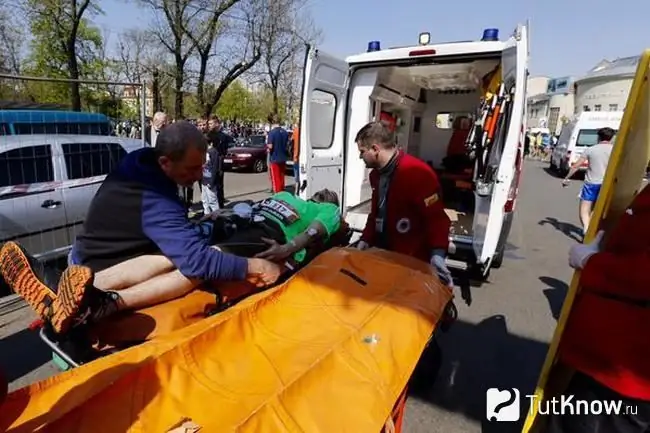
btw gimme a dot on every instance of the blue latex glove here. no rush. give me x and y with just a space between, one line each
438 261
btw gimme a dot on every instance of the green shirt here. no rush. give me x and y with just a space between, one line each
294 215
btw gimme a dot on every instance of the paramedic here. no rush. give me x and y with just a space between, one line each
597 156
137 247
407 214
606 336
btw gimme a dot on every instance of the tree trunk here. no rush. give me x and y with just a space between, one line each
178 90
73 66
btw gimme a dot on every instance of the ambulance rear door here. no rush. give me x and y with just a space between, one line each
504 157
322 123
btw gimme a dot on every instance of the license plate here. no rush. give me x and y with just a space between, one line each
228 161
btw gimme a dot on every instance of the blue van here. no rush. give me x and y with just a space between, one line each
28 122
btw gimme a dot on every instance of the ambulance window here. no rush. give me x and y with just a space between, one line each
453 120
322 112
26 165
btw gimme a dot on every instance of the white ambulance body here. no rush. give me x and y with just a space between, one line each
424 86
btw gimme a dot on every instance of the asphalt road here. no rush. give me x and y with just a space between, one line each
500 339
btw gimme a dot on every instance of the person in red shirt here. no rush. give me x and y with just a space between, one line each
607 337
407 213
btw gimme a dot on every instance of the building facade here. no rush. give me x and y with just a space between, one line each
537 101
550 103
561 103
607 86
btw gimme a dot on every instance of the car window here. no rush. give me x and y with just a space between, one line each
257 141
26 165
588 137
91 159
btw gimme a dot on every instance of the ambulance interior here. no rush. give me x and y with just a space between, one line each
432 108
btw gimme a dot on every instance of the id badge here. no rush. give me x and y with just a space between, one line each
379 225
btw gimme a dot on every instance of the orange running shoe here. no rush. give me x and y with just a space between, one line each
25 276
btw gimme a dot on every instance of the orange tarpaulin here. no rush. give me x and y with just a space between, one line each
329 351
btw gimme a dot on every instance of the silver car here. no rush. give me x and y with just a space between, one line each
47 183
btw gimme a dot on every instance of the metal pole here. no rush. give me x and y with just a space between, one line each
63 80
143 112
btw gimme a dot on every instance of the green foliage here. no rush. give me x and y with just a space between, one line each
51 26
240 103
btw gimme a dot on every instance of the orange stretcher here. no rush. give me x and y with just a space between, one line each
331 349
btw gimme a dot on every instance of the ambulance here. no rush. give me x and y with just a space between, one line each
578 135
425 91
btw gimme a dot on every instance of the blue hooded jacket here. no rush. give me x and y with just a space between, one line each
138 211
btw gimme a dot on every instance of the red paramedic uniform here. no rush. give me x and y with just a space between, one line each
607 336
415 222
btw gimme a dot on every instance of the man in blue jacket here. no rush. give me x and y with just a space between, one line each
138 246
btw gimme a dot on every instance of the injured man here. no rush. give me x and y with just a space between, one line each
138 247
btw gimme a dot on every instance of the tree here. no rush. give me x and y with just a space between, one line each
139 55
10 43
283 51
213 28
64 43
173 18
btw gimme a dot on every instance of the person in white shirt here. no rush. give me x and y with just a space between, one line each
597 156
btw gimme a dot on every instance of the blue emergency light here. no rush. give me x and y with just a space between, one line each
490 35
373 46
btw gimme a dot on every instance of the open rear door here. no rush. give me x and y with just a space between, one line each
491 209
322 123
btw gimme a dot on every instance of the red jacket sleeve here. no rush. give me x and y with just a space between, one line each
622 267
427 196
368 234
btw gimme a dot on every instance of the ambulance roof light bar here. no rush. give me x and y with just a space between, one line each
373 46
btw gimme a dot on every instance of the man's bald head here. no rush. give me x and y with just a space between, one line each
180 149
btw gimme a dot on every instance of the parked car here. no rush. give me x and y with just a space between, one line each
248 154
47 183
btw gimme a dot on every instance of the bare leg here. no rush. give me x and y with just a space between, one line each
156 290
132 272
586 208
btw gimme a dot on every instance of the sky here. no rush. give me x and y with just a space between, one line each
567 37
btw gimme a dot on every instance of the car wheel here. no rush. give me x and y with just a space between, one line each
259 166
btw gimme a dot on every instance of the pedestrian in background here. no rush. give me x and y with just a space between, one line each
209 192
220 141
597 158
278 148
160 120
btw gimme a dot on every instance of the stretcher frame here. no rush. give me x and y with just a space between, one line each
623 180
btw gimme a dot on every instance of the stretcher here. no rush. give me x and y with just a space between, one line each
85 344
330 349
623 180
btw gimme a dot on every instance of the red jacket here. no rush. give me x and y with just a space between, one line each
416 222
608 333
